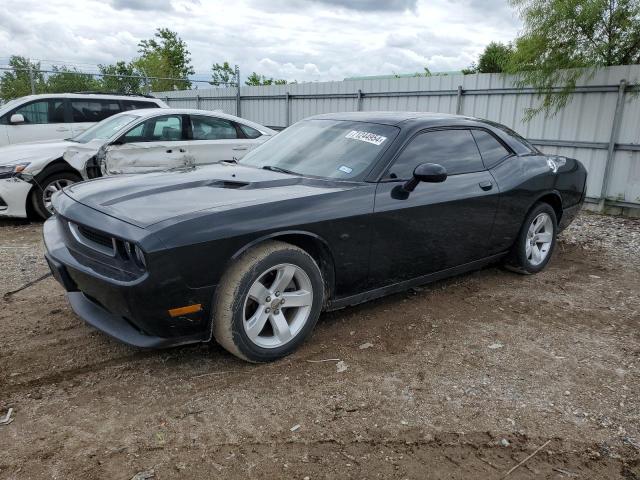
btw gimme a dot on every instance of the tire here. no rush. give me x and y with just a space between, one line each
247 313
531 252
41 195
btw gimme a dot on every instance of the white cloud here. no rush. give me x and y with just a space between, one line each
304 40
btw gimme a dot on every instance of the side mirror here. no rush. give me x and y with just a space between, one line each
16 118
426 172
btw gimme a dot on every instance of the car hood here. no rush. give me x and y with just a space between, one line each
23 152
146 199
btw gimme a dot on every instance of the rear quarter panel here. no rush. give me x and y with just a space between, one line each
523 180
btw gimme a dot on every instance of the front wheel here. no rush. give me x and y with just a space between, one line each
268 302
45 189
536 241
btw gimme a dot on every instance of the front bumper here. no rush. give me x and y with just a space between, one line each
133 311
14 193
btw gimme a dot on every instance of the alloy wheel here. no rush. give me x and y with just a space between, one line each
539 239
277 306
52 188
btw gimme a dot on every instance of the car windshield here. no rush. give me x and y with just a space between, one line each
324 148
10 104
105 129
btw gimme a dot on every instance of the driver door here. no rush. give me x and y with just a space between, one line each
157 144
43 120
438 225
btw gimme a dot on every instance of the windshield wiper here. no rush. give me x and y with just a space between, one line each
278 169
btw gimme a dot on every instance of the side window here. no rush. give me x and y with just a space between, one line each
137 104
158 129
455 150
42 111
93 110
211 128
249 132
491 149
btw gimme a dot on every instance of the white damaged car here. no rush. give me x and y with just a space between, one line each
137 141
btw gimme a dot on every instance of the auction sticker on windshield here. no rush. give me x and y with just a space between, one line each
366 137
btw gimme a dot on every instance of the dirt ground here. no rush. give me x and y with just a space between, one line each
460 379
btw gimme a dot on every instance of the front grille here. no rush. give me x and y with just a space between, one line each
93 239
95 236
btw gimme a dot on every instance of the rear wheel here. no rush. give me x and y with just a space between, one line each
44 190
536 241
268 302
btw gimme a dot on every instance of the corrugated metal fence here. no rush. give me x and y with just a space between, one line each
600 125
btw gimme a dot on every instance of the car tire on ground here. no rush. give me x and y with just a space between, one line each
268 302
536 241
44 189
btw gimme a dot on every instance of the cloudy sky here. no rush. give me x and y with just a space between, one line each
304 40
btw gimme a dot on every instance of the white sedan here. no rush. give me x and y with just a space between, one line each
137 141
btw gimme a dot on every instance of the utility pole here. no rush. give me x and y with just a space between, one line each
238 110
31 80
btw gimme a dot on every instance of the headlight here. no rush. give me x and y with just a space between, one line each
135 253
7 171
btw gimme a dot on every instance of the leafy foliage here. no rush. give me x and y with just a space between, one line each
67 79
165 56
493 59
128 79
561 38
17 83
256 79
222 74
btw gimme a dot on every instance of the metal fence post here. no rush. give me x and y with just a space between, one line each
238 107
198 102
31 80
359 100
287 112
611 149
459 101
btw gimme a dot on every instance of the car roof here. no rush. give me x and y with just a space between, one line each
397 118
91 95
152 112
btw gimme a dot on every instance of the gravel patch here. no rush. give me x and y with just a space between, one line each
617 237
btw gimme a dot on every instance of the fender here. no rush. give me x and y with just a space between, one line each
328 270
273 235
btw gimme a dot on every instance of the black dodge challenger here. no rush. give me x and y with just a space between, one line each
336 210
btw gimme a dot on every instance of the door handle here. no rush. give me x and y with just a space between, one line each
62 129
486 185
182 150
240 148
169 151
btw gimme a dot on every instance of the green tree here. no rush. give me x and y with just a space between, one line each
121 77
165 56
561 38
256 79
494 59
65 80
16 83
222 74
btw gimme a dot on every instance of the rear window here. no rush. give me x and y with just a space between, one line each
491 149
249 132
137 104
518 142
93 110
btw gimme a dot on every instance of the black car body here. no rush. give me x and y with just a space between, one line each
133 251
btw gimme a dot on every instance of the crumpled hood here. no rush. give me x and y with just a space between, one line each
25 152
146 199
